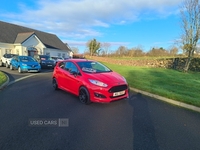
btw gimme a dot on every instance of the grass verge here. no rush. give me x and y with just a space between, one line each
3 78
183 87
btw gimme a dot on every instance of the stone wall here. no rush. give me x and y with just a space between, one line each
171 63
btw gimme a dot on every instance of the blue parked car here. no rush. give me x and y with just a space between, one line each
24 64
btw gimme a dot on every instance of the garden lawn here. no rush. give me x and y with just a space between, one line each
184 87
3 78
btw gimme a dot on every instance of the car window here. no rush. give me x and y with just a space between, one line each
15 58
26 59
61 65
93 67
9 55
71 67
45 57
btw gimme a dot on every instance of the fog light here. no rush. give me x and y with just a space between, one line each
99 95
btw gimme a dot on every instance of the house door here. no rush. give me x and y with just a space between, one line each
31 53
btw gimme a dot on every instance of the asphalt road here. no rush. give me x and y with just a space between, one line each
140 123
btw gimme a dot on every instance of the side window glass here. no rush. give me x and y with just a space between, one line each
74 68
15 58
70 67
62 65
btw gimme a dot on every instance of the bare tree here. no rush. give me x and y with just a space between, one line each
155 52
105 46
190 23
122 51
173 51
75 50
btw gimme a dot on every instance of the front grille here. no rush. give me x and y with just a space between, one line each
32 66
118 88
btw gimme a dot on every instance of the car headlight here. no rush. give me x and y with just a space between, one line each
24 64
98 83
124 79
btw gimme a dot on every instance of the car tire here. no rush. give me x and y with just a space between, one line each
11 67
19 69
55 84
7 66
84 96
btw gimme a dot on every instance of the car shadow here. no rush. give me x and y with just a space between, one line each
143 128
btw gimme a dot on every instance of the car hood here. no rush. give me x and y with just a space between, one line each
30 63
107 77
47 61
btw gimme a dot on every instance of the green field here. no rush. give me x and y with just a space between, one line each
3 78
184 87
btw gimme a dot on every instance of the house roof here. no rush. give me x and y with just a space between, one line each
21 37
11 33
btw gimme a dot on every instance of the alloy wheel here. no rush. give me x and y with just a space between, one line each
54 83
84 96
11 67
19 70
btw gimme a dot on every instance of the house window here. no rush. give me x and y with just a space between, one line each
47 53
63 55
8 51
59 54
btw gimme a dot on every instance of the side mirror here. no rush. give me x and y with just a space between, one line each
74 73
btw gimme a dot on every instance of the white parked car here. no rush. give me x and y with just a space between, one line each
56 59
5 60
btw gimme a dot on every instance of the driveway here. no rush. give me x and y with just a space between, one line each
14 75
138 123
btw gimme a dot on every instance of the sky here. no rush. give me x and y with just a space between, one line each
130 23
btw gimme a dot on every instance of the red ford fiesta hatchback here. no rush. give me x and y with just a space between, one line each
91 81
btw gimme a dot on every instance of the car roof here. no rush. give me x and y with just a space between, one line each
77 60
24 56
43 55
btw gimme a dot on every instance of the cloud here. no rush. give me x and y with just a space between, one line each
78 19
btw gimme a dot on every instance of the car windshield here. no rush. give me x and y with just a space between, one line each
10 55
44 57
93 67
26 59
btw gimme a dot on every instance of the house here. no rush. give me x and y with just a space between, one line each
21 40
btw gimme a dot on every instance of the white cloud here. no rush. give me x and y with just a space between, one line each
78 19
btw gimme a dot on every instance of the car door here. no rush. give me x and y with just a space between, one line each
71 77
59 74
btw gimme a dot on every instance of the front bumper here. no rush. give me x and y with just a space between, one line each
107 95
44 65
31 68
